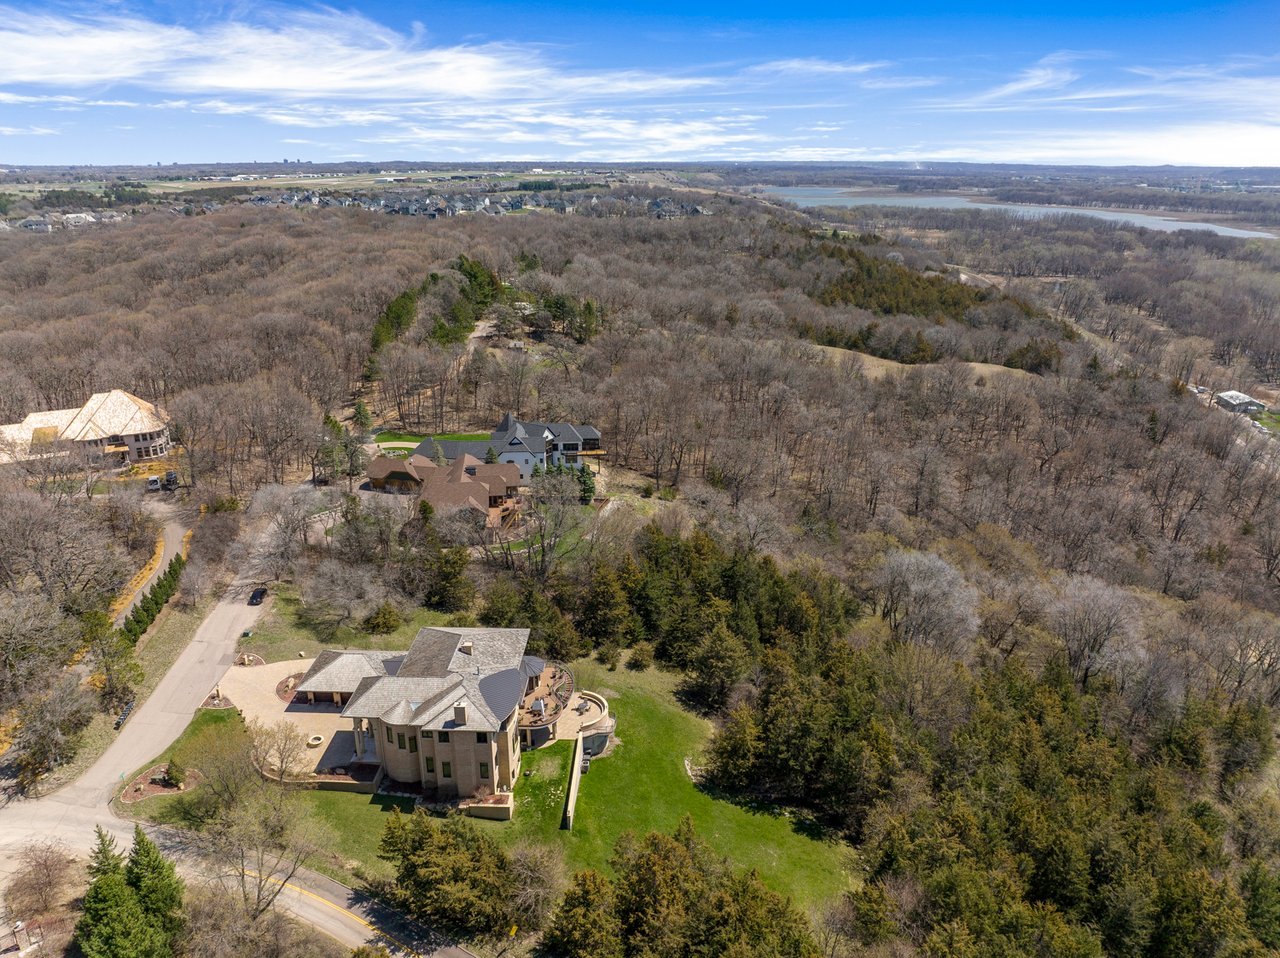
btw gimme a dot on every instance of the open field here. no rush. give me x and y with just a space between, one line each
285 631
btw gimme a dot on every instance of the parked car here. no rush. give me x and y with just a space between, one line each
153 484
258 594
171 480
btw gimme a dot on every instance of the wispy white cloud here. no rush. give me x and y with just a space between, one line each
1050 73
27 131
815 66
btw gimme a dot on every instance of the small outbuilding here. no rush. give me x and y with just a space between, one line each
1233 401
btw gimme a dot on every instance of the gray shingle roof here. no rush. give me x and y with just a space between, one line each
437 673
342 670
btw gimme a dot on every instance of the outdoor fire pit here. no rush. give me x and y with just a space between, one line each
315 741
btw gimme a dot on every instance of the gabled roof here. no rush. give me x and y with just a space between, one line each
342 671
481 667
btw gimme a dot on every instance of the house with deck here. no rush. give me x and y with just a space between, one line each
449 716
524 444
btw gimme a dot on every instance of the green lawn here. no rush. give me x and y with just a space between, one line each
1269 419
208 727
642 786
462 436
390 435
356 822
285 631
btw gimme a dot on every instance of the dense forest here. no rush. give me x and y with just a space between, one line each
959 569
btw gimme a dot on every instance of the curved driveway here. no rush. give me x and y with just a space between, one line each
72 813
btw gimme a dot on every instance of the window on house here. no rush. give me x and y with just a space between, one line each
426 733
484 769
431 765
446 770
444 738
413 744
482 737
400 740
389 738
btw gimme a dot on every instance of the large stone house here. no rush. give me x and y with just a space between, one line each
114 426
524 445
445 715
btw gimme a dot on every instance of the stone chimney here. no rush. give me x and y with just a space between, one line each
466 646
460 713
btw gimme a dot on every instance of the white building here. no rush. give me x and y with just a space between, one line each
111 424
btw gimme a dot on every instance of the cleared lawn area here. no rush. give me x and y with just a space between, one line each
208 728
642 786
462 436
356 822
391 435
286 630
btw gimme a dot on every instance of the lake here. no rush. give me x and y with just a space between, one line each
837 196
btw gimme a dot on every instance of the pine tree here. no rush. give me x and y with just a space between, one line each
105 859
606 615
587 484
491 456
585 925
156 883
361 421
114 925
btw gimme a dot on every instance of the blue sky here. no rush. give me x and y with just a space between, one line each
1085 82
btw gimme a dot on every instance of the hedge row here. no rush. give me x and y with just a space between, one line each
145 612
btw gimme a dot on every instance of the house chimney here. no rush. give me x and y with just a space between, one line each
460 713
465 646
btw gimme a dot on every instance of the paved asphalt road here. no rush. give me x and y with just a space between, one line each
174 531
72 813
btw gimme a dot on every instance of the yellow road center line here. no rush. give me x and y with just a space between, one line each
346 911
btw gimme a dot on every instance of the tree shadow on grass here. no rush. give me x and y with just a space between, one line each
802 820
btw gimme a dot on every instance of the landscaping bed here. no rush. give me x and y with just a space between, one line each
147 785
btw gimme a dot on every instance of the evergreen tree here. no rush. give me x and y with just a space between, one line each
1261 890
587 483
437 454
114 925
585 925
491 456
361 421
606 614
156 883
105 859
719 662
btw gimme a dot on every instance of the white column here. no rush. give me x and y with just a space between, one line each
356 726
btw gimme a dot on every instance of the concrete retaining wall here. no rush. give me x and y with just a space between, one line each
575 778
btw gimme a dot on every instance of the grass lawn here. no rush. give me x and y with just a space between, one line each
356 822
642 786
462 436
209 726
1269 419
285 631
391 435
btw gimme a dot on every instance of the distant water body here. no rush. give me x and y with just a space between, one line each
836 196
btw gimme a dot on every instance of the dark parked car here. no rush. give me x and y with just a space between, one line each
256 597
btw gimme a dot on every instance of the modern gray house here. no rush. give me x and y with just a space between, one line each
524 445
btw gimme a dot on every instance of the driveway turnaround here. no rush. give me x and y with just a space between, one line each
71 814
